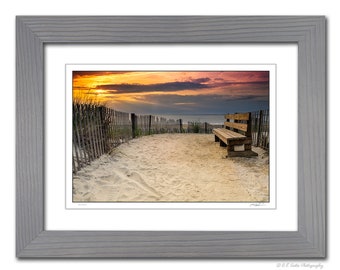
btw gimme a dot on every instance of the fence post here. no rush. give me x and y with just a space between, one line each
103 128
205 127
133 122
259 128
180 126
150 124
76 143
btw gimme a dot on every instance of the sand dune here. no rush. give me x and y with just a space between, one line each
173 167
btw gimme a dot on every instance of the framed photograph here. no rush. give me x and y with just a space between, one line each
151 131
170 137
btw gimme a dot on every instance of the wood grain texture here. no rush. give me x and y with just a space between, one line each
29 136
239 126
34 241
238 116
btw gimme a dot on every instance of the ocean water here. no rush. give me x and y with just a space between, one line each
214 119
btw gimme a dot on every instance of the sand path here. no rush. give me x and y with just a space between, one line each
173 167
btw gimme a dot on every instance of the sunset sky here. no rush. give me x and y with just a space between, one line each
175 92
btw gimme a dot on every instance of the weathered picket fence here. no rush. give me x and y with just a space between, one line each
98 129
260 128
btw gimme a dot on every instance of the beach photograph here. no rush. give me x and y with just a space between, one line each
170 136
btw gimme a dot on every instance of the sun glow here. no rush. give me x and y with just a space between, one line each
121 89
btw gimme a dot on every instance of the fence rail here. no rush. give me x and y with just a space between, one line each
97 130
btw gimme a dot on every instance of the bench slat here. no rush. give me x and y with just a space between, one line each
228 133
239 126
225 135
238 116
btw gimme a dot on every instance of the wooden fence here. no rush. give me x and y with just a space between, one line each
151 124
260 128
88 137
199 127
97 130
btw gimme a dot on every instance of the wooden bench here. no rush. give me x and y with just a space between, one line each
236 135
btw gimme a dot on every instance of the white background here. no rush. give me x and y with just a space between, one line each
173 7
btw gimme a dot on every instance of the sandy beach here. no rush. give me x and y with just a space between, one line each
173 168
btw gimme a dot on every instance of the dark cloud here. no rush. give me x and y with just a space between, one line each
179 86
201 80
164 87
82 88
84 73
200 104
250 83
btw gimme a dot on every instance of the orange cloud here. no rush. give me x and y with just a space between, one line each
141 87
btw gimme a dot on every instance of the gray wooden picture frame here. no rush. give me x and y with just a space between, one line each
32 240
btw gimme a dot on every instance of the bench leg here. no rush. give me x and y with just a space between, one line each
247 147
222 143
217 139
247 152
